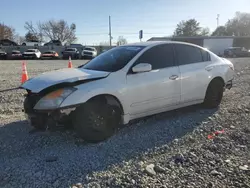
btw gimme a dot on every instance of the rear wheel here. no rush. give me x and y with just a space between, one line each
96 121
214 94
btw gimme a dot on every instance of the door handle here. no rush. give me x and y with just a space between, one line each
173 77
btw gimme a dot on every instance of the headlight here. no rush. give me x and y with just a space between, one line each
53 99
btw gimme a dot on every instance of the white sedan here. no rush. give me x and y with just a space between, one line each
125 83
32 53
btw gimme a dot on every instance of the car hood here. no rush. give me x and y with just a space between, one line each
67 75
88 51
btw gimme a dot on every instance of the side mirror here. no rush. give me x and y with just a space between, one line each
142 67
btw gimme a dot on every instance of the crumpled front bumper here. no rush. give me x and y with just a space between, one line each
44 120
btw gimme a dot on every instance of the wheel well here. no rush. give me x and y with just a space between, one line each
109 99
217 79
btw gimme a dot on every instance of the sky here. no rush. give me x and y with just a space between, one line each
156 18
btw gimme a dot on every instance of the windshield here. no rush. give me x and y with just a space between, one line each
114 59
90 49
30 51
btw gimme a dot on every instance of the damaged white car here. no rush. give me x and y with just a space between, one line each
126 83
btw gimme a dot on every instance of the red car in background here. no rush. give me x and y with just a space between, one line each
50 55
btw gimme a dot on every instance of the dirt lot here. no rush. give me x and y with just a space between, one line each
167 150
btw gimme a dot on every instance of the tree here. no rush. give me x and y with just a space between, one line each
205 31
188 28
53 30
33 32
121 41
58 30
220 31
31 37
239 25
6 32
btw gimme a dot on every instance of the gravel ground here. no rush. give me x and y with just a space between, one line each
167 150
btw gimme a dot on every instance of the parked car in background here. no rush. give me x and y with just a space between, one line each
15 54
89 52
7 42
71 52
3 54
53 43
50 55
236 52
32 43
32 53
125 83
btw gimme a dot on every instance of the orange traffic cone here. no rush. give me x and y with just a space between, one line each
70 63
24 73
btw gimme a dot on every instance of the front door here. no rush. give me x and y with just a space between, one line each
158 88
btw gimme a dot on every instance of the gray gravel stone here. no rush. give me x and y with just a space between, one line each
244 168
215 173
159 169
150 170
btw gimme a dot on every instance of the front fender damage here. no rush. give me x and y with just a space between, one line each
50 119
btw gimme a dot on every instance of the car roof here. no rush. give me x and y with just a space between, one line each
153 43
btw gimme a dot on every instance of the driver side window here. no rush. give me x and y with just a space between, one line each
160 56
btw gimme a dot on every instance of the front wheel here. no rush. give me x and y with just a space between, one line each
95 122
214 94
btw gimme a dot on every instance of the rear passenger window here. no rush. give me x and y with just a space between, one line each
188 54
205 55
159 57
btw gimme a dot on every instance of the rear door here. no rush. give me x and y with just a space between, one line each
158 88
192 62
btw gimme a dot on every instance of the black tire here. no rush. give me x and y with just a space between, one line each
96 121
214 94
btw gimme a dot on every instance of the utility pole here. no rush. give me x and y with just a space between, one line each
218 17
110 36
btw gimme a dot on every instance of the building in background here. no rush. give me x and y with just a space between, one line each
216 44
